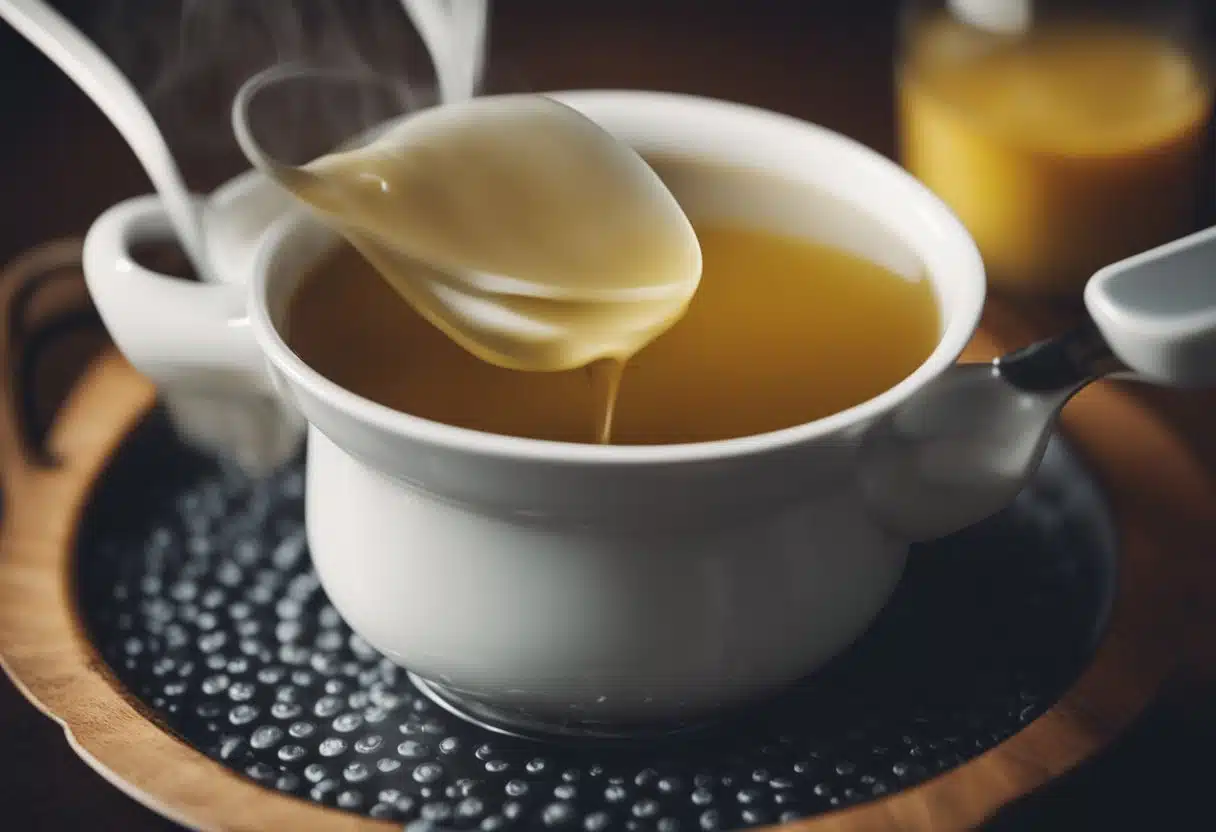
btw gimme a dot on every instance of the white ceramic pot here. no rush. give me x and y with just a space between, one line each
560 584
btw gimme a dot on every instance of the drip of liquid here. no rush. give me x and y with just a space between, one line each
519 228
606 376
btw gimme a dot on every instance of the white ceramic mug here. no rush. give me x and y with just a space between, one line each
553 584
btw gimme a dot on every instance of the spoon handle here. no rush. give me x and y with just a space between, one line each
109 89
1060 364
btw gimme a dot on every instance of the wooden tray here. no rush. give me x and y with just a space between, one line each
1151 482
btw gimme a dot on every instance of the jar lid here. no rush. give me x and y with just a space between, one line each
1006 17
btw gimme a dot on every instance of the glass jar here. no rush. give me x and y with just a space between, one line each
1065 134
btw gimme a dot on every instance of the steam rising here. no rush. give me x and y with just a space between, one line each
189 57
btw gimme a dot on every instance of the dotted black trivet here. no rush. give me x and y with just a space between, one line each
196 586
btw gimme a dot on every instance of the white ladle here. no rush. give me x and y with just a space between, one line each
472 272
109 89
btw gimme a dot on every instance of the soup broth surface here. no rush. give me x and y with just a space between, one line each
781 331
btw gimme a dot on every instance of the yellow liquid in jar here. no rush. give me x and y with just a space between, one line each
1063 150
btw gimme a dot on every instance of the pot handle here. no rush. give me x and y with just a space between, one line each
41 299
176 332
962 447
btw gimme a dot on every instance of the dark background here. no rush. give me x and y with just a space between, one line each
831 62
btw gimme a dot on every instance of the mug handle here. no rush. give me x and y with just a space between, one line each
176 332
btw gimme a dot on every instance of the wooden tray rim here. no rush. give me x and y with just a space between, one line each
46 652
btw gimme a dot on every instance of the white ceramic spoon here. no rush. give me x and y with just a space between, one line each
101 81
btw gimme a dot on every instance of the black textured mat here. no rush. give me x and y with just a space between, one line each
195 584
